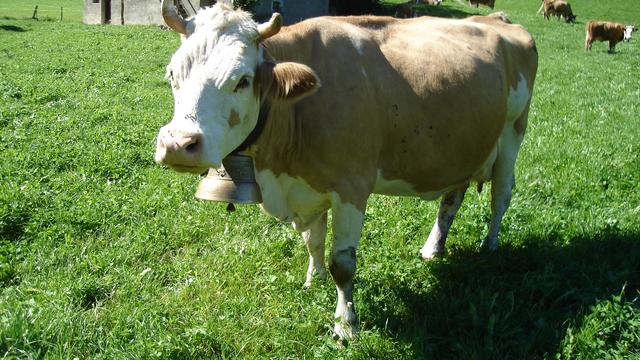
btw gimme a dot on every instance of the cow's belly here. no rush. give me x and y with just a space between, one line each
402 187
291 199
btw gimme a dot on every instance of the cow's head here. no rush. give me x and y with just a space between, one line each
571 18
628 30
220 76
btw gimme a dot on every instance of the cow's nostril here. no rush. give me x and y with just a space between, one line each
193 147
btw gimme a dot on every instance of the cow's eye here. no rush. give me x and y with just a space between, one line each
242 84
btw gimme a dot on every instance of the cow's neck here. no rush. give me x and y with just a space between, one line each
279 142
263 114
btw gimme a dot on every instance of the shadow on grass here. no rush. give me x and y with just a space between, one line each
515 303
12 28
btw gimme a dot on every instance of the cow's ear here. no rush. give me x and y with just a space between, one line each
287 81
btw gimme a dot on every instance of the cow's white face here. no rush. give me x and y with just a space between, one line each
215 105
628 30
219 78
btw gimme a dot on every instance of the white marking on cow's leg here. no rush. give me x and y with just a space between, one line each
503 180
449 206
347 226
314 238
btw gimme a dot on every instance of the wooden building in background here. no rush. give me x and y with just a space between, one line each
125 12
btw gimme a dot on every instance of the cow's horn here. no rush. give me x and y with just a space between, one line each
270 28
172 18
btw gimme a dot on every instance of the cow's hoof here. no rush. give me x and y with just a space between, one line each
430 254
489 245
321 275
346 325
344 332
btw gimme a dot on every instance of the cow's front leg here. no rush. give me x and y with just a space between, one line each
449 206
347 226
314 238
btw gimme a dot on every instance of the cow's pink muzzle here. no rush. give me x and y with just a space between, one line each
179 150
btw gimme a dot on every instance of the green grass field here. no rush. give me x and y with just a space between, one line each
105 255
47 9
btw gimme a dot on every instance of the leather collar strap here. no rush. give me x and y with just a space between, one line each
257 130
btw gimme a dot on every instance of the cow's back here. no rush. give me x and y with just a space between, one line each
405 98
605 31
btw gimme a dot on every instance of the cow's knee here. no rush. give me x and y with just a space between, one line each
343 266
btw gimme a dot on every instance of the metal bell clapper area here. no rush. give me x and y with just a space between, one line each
233 183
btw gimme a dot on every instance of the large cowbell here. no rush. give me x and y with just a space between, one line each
234 182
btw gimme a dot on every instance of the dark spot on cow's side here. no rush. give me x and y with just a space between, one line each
395 110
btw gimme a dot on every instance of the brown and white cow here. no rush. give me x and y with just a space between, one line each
404 109
489 3
559 8
405 10
607 31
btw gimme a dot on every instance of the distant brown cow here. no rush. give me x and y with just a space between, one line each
489 3
558 8
607 31
405 10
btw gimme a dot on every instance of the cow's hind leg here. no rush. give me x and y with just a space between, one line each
503 179
314 238
449 205
347 226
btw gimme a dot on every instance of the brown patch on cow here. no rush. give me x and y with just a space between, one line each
603 31
234 119
396 124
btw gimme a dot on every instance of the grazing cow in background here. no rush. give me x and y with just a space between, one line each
489 3
559 8
405 10
394 116
607 31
